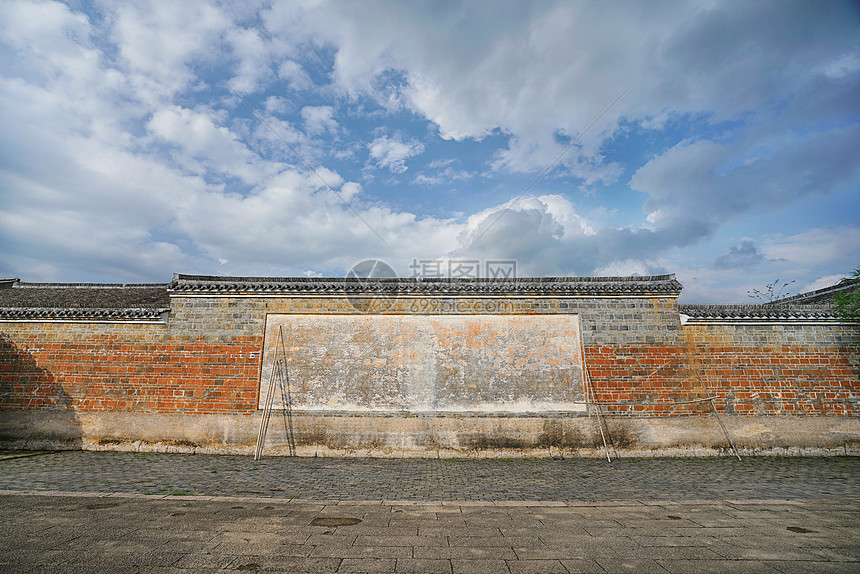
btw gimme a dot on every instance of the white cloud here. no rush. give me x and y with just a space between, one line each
276 105
350 190
822 282
158 43
700 186
47 30
535 70
253 56
216 147
294 74
444 172
392 153
319 119
816 246
543 232
155 166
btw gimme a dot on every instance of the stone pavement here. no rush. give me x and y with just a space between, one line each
84 511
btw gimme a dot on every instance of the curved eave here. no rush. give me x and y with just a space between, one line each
77 314
663 285
693 314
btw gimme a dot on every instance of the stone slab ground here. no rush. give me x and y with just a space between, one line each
83 512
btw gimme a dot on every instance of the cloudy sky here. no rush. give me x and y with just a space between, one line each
716 140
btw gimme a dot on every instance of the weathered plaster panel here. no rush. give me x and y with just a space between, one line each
439 363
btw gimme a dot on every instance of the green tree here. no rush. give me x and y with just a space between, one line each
848 302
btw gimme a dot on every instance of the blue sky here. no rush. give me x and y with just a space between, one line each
730 159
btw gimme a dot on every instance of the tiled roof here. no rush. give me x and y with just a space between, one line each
658 284
756 313
75 301
37 313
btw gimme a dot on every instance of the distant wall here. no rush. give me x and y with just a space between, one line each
195 379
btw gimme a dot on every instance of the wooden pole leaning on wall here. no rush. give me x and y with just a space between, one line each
286 396
267 413
589 397
601 420
278 363
600 423
716 412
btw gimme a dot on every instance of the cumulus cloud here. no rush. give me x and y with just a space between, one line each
198 137
295 75
154 165
319 119
392 153
160 43
537 70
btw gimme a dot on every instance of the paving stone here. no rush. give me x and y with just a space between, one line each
286 564
499 541
471 566
624 522
535 566
642 565
435 566
804 567
765 552
401 541
465 552
312 480
719 567
582 566
453 529
195 561
367 565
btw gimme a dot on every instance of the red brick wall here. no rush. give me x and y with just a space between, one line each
747 377
640 380
765 370
138 368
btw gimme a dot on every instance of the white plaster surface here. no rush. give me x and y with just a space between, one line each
422 363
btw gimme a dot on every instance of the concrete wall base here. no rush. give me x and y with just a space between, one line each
348 435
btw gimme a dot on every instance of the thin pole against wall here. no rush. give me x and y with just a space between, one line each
714 407
286 395
600 423
267 413
589 395
279 372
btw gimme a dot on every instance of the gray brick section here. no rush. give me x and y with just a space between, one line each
826 335
611 320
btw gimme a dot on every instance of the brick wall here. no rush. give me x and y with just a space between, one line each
206 357
125 367
779 369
